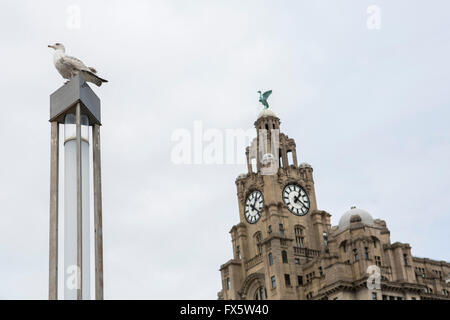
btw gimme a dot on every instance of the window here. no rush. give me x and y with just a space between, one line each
385 297
260 294
300 280
281 158
355 253
374 296
238 252
281 229
391 298
366 253
378 261
405 259
284 256
325 239
309 277
254 165
290 157
228 283
399 298
298 230
445 292
270 259
269 230
438 273
413 298
320 271
344 246
375 243
287 280
299 241
422 271
274 283
299 238
309 295
297 261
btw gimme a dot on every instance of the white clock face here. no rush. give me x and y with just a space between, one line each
253 206
296 199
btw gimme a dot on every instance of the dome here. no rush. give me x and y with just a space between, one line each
266 113
353 214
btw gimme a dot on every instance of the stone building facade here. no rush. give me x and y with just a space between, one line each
284 247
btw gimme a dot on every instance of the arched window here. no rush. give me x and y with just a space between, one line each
374 241
280 156
325 239
344 246
299 237
355 254
290 158
270 259
284 256
253 165
260 293
281 228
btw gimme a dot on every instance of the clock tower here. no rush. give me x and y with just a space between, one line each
280 227
285 248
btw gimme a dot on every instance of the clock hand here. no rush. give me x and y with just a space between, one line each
297 199
254 208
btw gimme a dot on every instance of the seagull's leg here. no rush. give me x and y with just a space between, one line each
70 77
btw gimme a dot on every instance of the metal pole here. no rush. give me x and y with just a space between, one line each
54 190
98 213
79 207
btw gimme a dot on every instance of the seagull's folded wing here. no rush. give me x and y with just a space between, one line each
74 63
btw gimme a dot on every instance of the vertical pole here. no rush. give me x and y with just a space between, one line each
79 206
54 188
98 213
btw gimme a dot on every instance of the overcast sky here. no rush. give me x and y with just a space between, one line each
369 110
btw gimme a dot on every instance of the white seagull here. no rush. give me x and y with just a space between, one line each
69 66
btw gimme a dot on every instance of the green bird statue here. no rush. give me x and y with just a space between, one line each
263 98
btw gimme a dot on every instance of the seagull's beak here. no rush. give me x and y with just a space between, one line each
51 46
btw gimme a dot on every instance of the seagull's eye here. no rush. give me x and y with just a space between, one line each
57 44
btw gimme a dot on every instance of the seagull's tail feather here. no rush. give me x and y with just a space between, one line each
92 77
